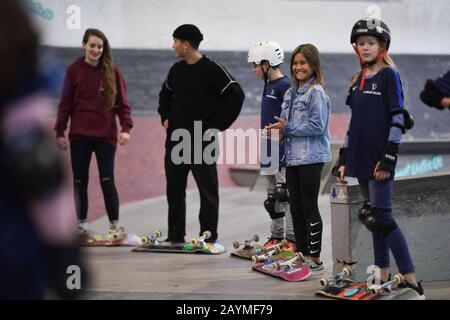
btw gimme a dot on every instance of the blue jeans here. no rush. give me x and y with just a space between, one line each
379 194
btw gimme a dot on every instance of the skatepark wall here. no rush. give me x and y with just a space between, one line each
421 207
418 26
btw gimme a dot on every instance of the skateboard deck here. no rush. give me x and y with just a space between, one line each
286 265
347 289
196 245
247 252
249 248
110 240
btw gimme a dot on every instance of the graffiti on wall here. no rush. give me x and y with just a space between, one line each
425 165
39 10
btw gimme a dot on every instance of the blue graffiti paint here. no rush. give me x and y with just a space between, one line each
39 10
420 167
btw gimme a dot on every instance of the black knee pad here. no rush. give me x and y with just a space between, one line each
364 212
373 222
108 185
281 192
269 205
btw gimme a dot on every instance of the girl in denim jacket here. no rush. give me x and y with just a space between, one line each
303 127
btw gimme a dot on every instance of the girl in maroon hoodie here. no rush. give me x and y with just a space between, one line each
94 93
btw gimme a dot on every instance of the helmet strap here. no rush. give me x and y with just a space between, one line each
366 65
266 77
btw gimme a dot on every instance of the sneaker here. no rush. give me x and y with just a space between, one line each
316 269
418 288
290 247
115 227
82 228
271 242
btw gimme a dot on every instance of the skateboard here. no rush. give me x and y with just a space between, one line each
111 239
341 286
196 245
386 291
292 269
249 248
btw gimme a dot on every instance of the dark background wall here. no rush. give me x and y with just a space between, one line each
145 71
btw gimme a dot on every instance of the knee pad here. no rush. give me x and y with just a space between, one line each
281 192
364 212
108 185
373 222
269 205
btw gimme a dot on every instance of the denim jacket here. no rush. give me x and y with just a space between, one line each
307 115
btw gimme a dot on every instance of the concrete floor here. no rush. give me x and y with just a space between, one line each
118 273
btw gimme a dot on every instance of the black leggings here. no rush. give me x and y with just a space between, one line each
303 183
80 153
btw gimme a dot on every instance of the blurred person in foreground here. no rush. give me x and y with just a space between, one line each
37 231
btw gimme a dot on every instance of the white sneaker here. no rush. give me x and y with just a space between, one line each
82 227
115 227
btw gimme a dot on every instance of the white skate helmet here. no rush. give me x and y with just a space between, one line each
267 50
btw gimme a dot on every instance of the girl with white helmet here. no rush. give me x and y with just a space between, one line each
266 58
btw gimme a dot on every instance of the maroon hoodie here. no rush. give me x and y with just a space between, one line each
82 102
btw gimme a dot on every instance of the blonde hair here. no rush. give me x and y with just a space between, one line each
387 60
311 54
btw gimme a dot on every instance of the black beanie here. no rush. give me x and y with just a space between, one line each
188 32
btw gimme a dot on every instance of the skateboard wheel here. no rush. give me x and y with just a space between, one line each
144 240
399 278
347 271
194 241
255 259
277 266
255 238
284 243
158 233
324 282
236 244
207 234
375 291
300 256
276 250
115 236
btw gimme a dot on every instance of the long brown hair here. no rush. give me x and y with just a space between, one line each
311 54
107 66
18 45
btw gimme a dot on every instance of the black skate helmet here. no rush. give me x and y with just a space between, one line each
371 27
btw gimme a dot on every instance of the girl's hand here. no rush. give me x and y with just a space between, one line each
380 175
341 176
123 138
445 102
279 125
62 143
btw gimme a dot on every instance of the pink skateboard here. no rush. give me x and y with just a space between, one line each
293 269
